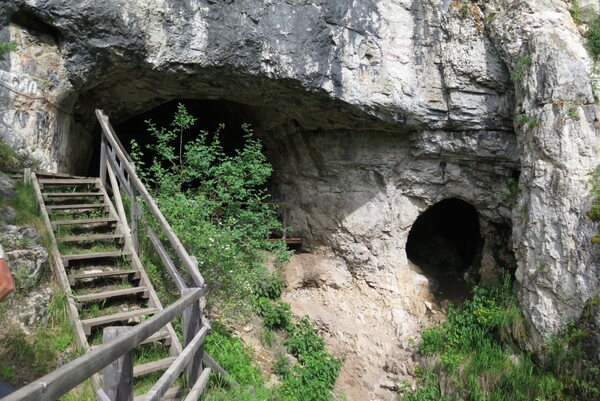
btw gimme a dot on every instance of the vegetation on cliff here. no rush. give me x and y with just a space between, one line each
477 354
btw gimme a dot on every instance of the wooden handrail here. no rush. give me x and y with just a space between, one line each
129 167
67 377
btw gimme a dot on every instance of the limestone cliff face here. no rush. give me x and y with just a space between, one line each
371 111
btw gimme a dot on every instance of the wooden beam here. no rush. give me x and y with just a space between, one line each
166 380
60 381
103 160
199 386
192 323
209 361
118 376
167 261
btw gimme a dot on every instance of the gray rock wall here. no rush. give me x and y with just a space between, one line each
371 111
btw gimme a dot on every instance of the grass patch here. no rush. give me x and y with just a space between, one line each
25 358
476 352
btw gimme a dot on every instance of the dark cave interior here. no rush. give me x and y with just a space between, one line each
210 115
445 242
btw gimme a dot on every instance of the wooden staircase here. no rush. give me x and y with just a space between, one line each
97 266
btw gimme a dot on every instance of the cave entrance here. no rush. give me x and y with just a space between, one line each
210 115
445 242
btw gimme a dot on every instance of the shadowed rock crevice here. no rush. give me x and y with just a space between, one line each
446 243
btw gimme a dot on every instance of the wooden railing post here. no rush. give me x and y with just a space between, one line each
134 220
192 323
103 160
118 376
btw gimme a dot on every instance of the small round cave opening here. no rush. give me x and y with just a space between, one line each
445 242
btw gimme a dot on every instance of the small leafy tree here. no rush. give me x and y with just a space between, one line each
214 201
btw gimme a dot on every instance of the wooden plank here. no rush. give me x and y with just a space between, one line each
167 261
67 259
78 206
118 201
103 161
110 294
209 361
192 323
155 366
134 221
288 240
199 386
113 273
101 396
89 238
173 394
118 170
118 376
159 336
48 195
166 380
117 317
66 181
101 220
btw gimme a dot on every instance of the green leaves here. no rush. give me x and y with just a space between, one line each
213 201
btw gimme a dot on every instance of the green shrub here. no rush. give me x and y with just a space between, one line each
520 68
277 316
270 287
282 365
593 36
471 349
594 212
215 203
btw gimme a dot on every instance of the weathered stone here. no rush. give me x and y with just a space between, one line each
30 310
27 258
7 187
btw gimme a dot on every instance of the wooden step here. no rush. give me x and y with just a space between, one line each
288 240
173 394
97 296
49 195
101 220
87 256
114 273
158 336
155 366
67 181
78 206
162 334
89 238
117 317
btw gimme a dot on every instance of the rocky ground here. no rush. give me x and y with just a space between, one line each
375 332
